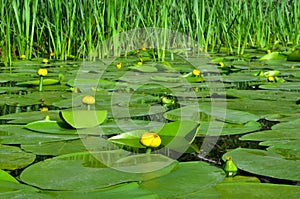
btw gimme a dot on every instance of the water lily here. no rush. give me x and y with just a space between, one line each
140 63
23 56
150 140
88 101
167 101
42 72
230 168
221 64
196 72
45 61
119 65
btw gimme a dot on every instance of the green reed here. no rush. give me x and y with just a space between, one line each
75 28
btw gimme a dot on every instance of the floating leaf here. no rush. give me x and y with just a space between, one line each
83 118
17 134
63 174
144 68
265 163
12 158
55 148
294 56
280 134
256 190
180 183
36 82
6 177
216 128
273 56
50 126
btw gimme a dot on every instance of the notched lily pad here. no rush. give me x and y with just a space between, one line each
83 118
12 158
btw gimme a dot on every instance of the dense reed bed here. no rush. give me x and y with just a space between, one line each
73 28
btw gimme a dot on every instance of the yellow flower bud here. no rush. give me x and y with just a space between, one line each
43 109
89 100
271 79
52 54
140 63
42 72
119 65
196 72
150 139
221 64
45 61
23 56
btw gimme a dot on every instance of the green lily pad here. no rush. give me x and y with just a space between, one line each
63 174
220 113
273 56
294 56
216 128
27 117
133 190
290 152
280 134
37 82
180 183
265 163
256 190
17 134
50 126
12 158
83 118
144 68
286 86
7 177
293 124
55 148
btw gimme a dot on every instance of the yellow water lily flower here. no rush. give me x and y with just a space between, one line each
143 49
52 54
196 72
271 79
140 63
221 64
150 139
43 109
47 117
269 51
88 100
42 72
45 61
23 56
119 65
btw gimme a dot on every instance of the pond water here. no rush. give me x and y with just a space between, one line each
204 108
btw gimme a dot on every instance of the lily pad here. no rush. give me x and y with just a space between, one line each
36 82
17 134
294 56
280 134
217 128
273 56
12 158
62 174
50 126
83 118
256 190
180 183
7 177
266 163
55 148
144 68
133 190
220 113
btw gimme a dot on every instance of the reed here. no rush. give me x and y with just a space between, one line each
74 28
